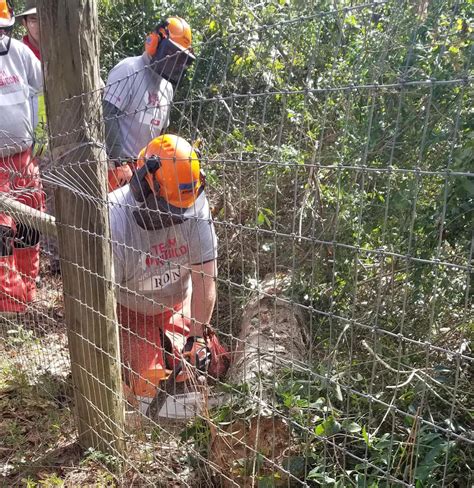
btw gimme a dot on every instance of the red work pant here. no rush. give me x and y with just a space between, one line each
152 344
19 178
146 353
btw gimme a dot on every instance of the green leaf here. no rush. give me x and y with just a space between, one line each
262 216
384 442
328 428
351 426
323 478
318 403
319 430
212 25
366 436
351 20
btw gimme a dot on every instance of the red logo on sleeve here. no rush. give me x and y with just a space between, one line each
153 99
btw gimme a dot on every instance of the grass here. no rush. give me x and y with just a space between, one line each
35 422
37 429
328 423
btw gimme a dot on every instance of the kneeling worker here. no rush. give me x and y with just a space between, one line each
165 251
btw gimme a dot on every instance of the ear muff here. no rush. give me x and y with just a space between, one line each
139 185
153 39
151 43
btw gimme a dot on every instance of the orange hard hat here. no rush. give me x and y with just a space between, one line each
174 28
178 179
179 31
7 17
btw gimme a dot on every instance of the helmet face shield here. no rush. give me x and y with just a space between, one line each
156 213
171 61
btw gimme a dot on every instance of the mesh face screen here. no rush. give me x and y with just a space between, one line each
171 61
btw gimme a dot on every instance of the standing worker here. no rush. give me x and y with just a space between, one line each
139 93
29 20
165 251
20 82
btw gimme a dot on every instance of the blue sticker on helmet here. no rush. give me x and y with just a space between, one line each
187 187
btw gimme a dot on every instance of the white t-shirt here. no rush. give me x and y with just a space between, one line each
145 99
153 267
20 82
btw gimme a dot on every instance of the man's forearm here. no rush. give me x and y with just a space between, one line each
203 296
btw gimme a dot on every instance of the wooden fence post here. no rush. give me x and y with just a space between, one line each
70 56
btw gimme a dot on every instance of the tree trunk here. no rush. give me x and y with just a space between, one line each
69 49
272 335
272 338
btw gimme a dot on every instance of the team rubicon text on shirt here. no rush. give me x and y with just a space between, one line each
8 79
163 252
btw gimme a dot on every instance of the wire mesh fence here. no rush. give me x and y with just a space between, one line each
337 203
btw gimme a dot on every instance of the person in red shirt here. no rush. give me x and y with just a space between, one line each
29 19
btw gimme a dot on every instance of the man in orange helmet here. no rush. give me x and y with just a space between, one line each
165 251
139 93
20 82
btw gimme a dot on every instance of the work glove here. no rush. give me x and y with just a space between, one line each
197 353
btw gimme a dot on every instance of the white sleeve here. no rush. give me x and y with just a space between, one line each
117 90
33 71
203 238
